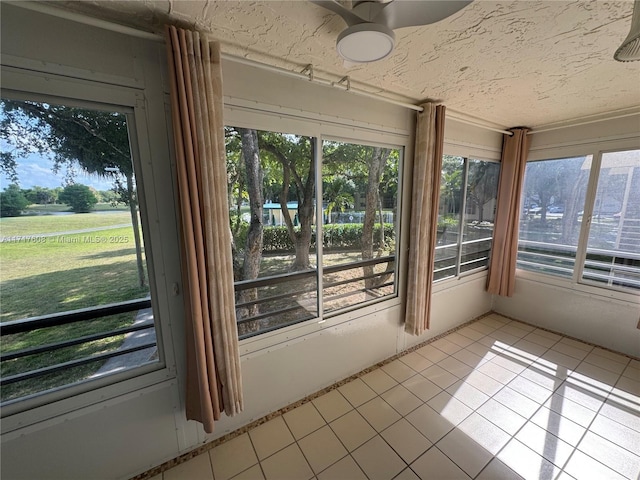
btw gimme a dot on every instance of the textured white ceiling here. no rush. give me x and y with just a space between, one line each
521 62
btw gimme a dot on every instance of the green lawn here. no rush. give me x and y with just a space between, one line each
56 207
36 224
47 274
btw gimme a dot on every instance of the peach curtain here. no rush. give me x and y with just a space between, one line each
213 382
504 249
424 216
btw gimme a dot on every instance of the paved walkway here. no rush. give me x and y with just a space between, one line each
132 339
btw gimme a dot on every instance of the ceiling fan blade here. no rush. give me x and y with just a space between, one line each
347 15
410 13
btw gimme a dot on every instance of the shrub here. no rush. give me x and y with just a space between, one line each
342 236
79 197
12 201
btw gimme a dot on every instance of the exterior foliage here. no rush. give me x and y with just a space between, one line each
339 236
12 201
79 197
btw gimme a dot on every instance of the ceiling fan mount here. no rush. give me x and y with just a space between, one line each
369 36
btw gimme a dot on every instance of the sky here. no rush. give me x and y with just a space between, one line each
35 170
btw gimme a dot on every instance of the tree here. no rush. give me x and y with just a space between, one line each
41 195
373 172
482 184
451 185
253 245
338 195
376 162
79 197
543 184
295 156
109 196
97 141
12 201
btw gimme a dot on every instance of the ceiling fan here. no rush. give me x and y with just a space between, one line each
369 36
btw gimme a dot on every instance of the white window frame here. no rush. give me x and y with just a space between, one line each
469 275
596 148
162 266
253 115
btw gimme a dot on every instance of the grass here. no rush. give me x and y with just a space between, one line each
49 274
55 207
38 224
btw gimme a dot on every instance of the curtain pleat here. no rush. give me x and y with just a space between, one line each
214 383
424 216
504 249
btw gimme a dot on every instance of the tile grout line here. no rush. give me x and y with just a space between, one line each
210 445
588 429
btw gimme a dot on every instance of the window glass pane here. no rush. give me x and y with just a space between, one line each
482 190
449 212
552 208
613 250
70 239
359 187
271 187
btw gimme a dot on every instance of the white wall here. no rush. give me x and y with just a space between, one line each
119 432
587 315
593 314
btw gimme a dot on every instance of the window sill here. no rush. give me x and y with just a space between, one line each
283 337
629 298
51 408
453 282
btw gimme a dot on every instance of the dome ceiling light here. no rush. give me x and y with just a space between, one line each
369 36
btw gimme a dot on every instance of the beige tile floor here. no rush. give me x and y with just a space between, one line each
496 399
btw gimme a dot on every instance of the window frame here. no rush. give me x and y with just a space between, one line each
477 272
596 148
258 116
38 86
398 215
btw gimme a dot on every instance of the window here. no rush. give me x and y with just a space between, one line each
271 185
76 290
613 246
468 190
581 219
359 202
552 209
283 274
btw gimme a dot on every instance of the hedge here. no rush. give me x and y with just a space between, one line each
337 236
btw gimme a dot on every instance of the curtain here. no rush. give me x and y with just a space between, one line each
504 248
424 216
213 383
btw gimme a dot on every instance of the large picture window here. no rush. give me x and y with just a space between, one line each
359 201
271 186
552 210
468 190
613 246
581 219
76 291
283 274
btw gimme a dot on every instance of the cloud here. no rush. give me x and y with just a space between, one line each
35 170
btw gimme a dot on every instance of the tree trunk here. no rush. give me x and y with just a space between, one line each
571 208
376 166
305 190
133 207
253 247
381 233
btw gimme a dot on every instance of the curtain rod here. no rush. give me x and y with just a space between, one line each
343 84
460 117
586 122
